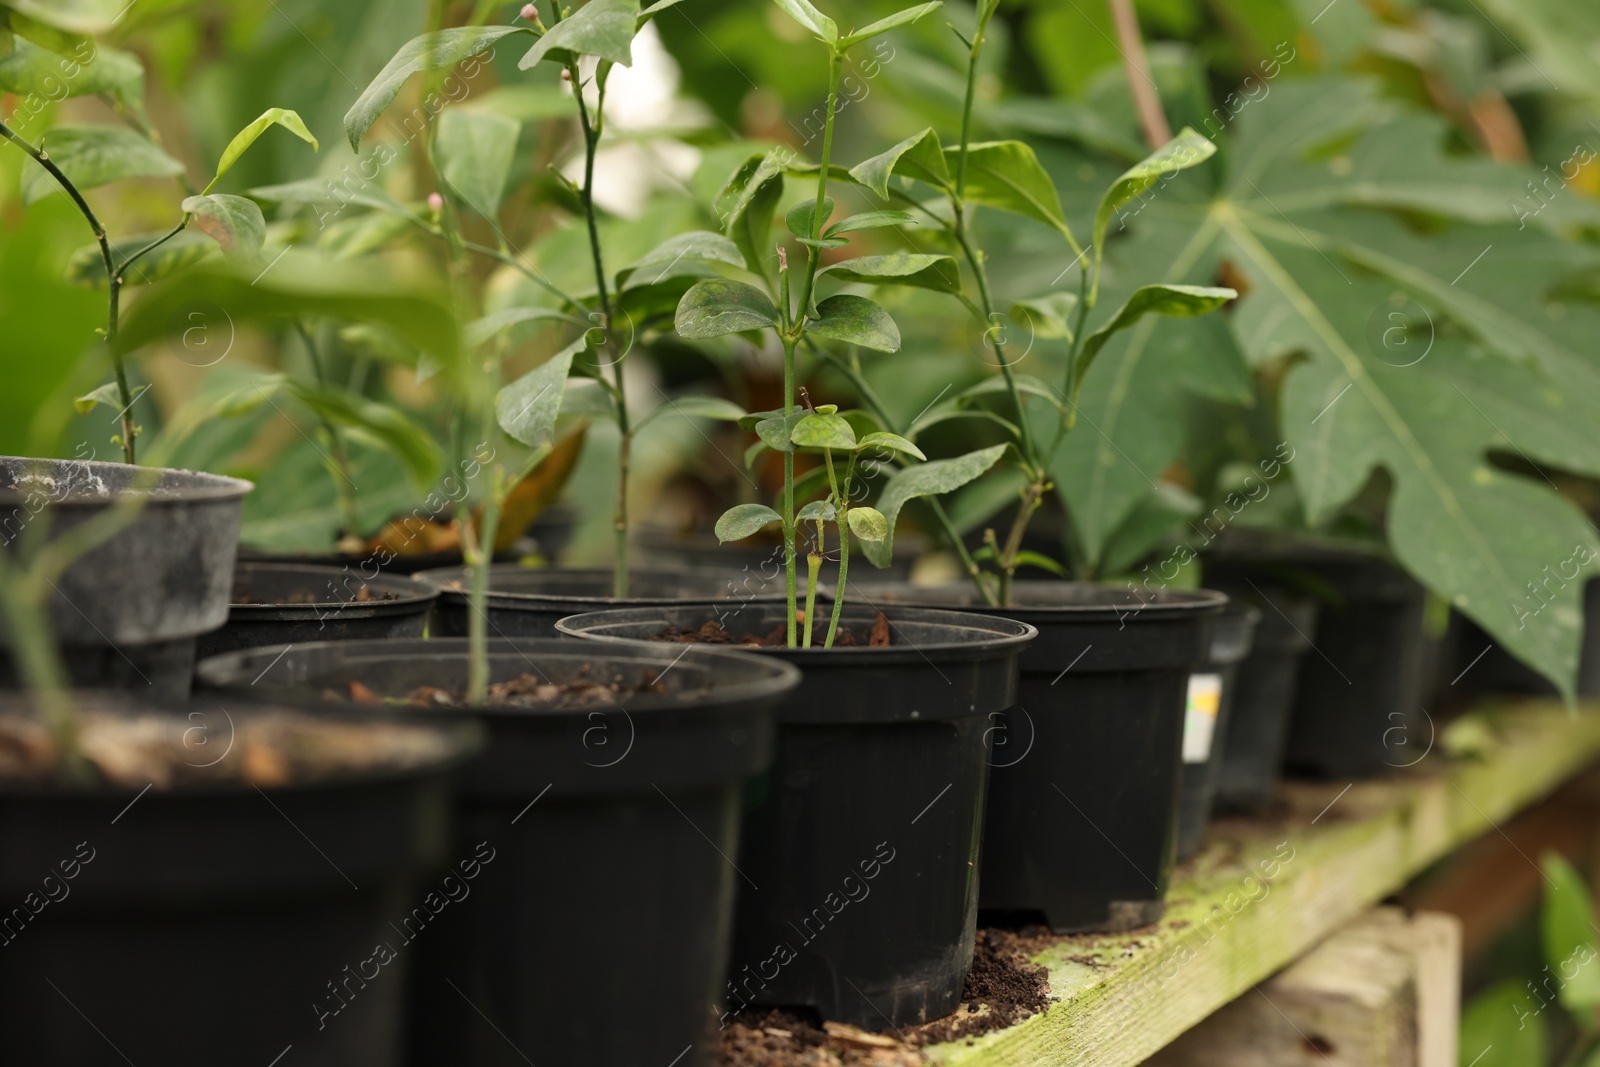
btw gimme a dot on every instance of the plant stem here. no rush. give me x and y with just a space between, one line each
814 255
479 545
1136 64
113 281
813 569
788 473
343 483
844 568
591 141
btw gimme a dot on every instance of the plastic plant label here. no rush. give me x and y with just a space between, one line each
1200 716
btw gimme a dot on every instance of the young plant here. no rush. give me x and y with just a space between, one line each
77 158
797 317
1007 176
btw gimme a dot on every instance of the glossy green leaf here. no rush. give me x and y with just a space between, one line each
870 220
824 431
775 430
273 116
743 520
234 222
717 307
1172 301
490 325
602 28
527 408
868 524
46 32
696 407
802 220
918 269
31 69
92 156
1567 928
107 394
817 510
857 320
87 267
925 479
1026 558
920 157
431 51
474 152
380 424
330 192
903 17
695 246
1006 175
1183 151
823 243
1047 317
1025 383
891 441
810 19
746 205
655 9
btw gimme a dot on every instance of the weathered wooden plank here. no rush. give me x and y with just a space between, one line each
1264 892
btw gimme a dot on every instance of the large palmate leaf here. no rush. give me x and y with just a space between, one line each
1417 351
92 156
1561 37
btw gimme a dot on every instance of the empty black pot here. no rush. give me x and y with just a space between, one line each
528 602
1357 709
195 925
285 604
599 934
1263 694
858 892
1208 716
1083 792
127 611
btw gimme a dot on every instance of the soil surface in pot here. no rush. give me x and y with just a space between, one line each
527 690
713 633
268 749
1003 987
365 595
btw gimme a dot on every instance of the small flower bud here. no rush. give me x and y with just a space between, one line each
566 74
435 203
530 13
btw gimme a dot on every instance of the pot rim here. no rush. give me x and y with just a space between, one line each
210 487
1165 604
414 593
445 577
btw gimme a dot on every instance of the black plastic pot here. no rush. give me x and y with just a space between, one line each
1208 716
1083 792
374 563
1357 709
199 925
858 892
528 602
1482 665
1263 694
271 607
128 610
669 550
599 935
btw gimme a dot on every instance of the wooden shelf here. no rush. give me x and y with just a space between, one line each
1265 891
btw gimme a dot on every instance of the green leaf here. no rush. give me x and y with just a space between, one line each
327 191
30 69
76 16
1501 1027
904 17
655 9
867 524
1026 558
273 116
776 430
1006 175
926 479
892 441
431 51
810 19
824 431
603 28
45 32
697 245
920 157
1185 150
299 286
696 407
1025 383
233 222
586 396
475 150
527 408
1049 317
483 329
92 156
870 220
1567 926
922 270
107 394
747 202
801 218
817 511
717 307
742 520
857 320
823 243
379 424
1173 301
86 266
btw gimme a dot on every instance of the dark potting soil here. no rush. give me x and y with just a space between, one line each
363 596
273 749
1003 987
712 633
527 690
